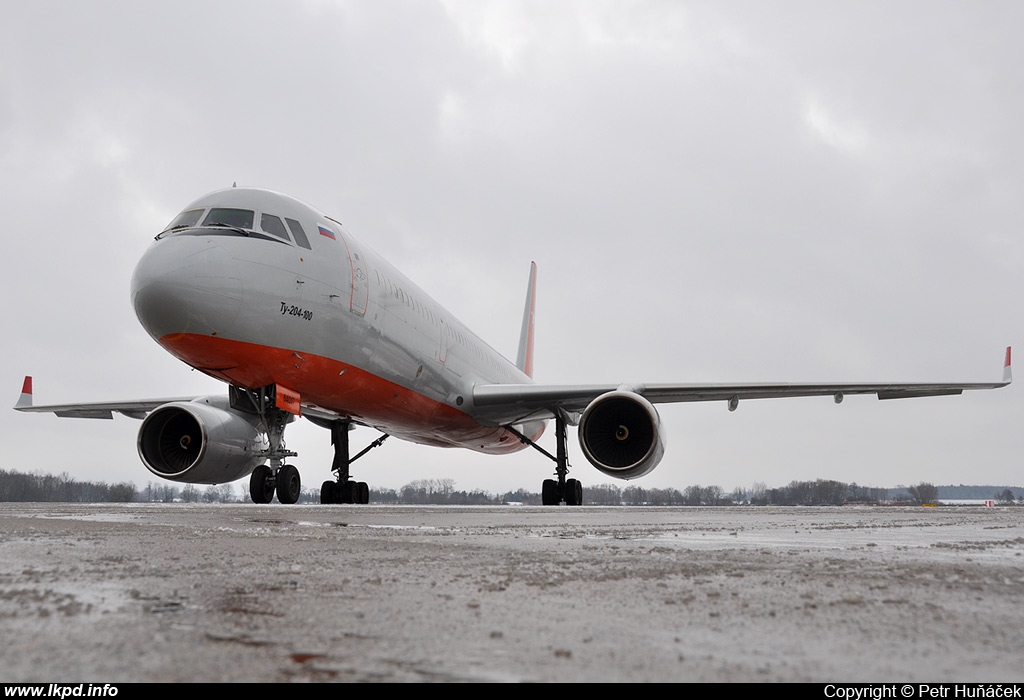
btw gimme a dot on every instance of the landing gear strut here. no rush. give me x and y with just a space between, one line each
344 490
554 492
279 477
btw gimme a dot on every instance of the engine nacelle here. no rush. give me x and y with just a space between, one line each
620 434
201 442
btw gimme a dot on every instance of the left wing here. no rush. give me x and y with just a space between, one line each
512 403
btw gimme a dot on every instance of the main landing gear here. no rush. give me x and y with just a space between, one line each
556 491
283 479
344 490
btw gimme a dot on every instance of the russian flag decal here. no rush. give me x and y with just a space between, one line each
327 232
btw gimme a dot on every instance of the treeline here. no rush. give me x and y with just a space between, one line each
167 492
433 492
443 492
17 486
979 492
821 492
610 494
48 488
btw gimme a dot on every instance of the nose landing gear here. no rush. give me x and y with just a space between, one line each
280 478
263 484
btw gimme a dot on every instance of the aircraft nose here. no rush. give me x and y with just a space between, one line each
186 284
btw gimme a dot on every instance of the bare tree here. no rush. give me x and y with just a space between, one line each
923 493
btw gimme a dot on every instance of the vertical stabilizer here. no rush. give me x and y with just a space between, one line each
524 359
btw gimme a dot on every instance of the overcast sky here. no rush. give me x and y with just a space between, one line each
713 192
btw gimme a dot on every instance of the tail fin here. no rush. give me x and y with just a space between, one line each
524 359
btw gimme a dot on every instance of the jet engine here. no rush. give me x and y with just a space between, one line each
201 442
620 433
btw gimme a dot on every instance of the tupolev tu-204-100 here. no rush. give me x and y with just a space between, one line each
297 317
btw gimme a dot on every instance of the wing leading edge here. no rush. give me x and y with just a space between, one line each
103 410
512 403
138 409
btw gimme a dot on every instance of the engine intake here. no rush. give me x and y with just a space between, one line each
620 434
200 442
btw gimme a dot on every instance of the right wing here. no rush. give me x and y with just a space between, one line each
140 408
105 410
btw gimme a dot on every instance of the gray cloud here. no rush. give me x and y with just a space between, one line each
724 192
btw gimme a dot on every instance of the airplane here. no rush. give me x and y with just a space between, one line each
299 318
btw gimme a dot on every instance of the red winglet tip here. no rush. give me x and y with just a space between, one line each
26 388
1007 363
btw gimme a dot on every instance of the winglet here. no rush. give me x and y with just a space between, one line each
25 400
524 358
1007 372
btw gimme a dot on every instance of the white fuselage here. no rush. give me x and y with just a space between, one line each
291 298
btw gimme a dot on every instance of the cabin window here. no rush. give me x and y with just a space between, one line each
272 225
187 218
238 218
298 233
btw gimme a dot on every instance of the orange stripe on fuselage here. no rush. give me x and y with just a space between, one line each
342 388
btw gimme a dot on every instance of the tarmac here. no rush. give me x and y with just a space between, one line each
147 592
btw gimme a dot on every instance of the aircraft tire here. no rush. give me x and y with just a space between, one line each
573 492
343 492
549 492
361 493
261 485
289 485
327 492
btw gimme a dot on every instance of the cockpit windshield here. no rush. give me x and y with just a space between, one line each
187 218
272 225
238 218
236 222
